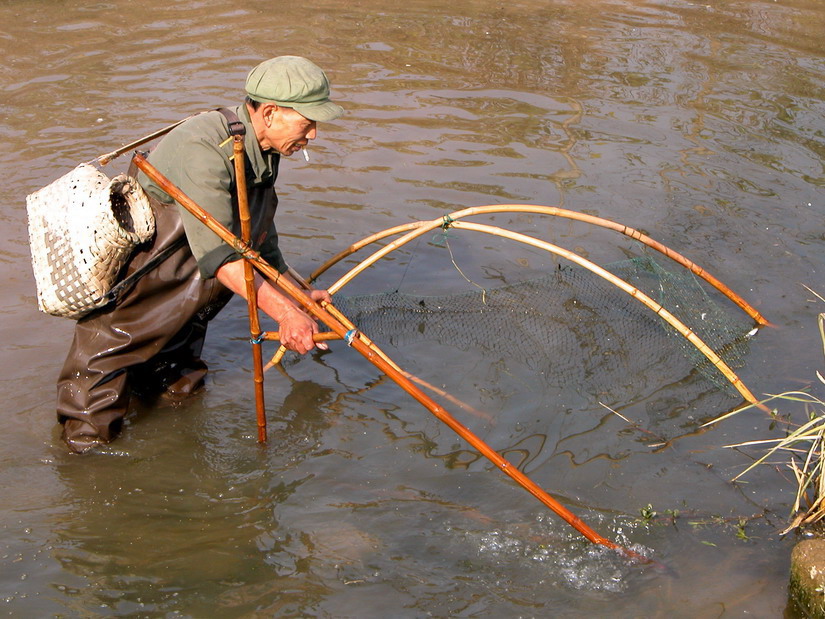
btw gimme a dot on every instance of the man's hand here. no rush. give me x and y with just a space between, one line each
320 295
296 329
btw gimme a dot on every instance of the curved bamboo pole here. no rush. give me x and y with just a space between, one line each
416 232
363 243
421 227
377 358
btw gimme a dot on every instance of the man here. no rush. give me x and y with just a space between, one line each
151 338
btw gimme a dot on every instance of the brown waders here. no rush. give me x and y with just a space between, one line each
153 334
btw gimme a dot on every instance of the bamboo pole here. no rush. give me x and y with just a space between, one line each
104 159
251 292
276 359
377 358
421 227
328 336
338 316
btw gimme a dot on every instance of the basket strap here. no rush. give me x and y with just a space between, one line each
151 264
236 127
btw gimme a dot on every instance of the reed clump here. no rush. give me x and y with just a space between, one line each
802 448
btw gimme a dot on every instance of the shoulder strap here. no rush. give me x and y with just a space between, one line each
236 127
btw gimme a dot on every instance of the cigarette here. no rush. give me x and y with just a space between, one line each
306 154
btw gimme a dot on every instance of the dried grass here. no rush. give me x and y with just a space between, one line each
804 448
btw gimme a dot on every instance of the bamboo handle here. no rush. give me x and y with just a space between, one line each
326 336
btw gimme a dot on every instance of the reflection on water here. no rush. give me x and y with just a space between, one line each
699 123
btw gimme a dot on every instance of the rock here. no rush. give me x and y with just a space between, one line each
807 587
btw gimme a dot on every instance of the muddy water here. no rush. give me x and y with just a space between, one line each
699 122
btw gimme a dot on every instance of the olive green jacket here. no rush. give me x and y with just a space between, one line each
197 157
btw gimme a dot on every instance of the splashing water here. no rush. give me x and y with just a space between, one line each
567 559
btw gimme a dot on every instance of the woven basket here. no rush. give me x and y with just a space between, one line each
82 229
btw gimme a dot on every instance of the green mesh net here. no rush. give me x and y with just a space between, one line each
569 326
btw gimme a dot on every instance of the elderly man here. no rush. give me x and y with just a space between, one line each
151 338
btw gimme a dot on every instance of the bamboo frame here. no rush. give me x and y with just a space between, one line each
416 229
323 312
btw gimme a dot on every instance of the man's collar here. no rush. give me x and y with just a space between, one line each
261 162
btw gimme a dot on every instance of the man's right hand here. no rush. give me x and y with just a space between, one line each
296 329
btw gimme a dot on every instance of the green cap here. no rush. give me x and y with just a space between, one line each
292 81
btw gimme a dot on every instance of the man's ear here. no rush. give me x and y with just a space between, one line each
269 112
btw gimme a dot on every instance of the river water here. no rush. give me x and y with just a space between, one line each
699 122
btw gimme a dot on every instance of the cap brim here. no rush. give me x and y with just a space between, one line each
323 112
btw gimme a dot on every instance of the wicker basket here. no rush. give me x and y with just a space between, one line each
82 229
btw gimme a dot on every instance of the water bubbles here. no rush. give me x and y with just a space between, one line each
562 557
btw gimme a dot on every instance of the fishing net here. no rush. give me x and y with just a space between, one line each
569 327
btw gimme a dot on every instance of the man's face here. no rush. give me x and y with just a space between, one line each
286 130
